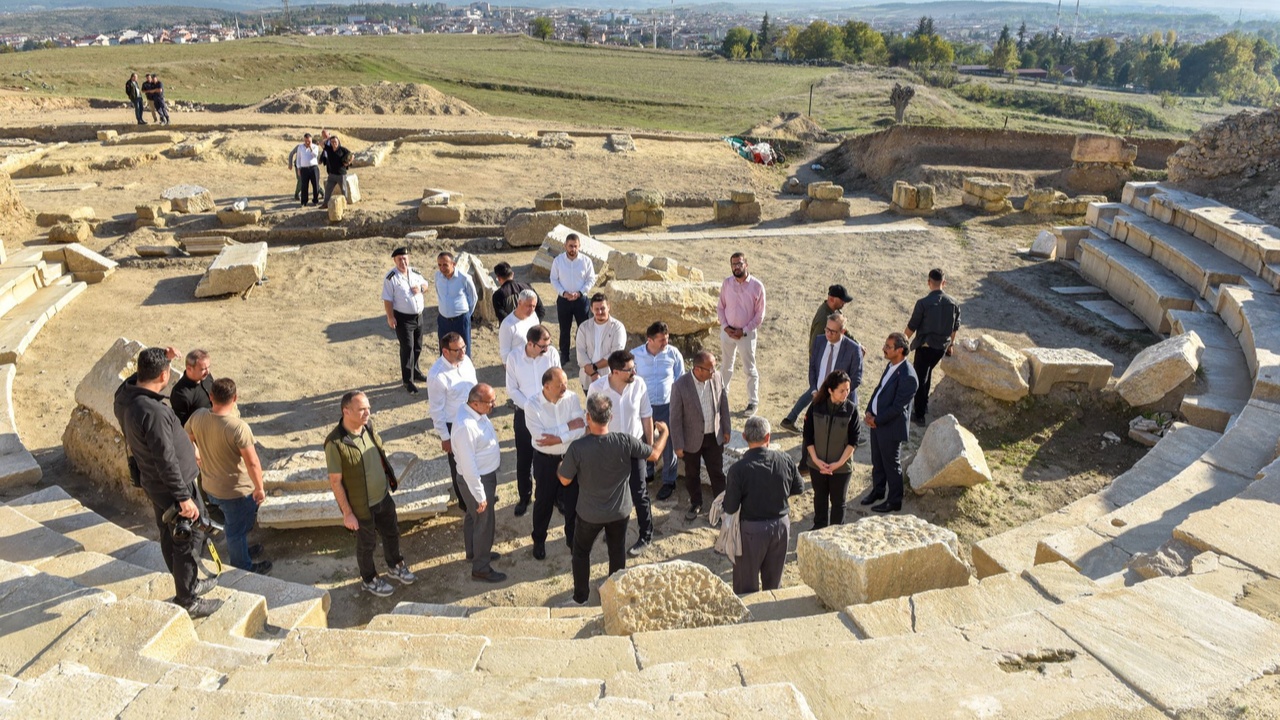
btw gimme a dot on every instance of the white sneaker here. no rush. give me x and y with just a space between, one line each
401 574
378 587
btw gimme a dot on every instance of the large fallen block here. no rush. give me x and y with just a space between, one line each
686 307
878 558
1051 366
189 198
553 244
527 229
372 156
49 219
74 231
949 456
1160 369
1111 149
424 492
85 264
97 389
638 266
667 596
486 287
236 269
231 217
986 364
147 137
822 210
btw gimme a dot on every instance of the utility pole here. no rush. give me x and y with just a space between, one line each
288 22
673 24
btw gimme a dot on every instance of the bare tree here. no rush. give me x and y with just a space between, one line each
900 97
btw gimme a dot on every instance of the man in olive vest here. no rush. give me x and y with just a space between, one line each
362 481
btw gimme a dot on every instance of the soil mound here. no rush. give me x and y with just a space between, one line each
13 214
15 102
1242 143
381 99
792 126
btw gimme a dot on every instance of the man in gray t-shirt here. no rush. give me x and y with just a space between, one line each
600 462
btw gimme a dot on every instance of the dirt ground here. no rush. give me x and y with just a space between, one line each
315 329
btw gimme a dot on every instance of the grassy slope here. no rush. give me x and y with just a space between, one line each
518 76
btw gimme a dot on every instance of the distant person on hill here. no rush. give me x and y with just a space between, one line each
305 160
336 159
157 99
134 91
148 86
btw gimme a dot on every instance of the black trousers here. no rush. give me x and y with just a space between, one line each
764 553
640 498
310 177
712 453
384 524
615 538
180 556
924 362
524 457
547 490
409 333
829 493
886 465
567 313
453 474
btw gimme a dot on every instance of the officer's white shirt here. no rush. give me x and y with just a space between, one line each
397 287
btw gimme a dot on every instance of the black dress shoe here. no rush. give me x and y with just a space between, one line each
256 550
492 556
493 576
918 421
539 551
885 507
789 424
870 499
419 377
522 507
413 389
666 492
204 586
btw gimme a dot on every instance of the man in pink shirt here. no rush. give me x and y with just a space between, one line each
741 310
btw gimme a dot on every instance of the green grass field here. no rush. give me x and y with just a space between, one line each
522 77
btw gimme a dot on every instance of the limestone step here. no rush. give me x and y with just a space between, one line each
18 468
1136 281
781 700
141 640
599 658
1138 194
1101 215
1223 384
1255 319
1175 645
1192 260
809 634
522 697
1015 550
789 602
998 596
1105 545
1237 234
1251 442
157 702
368 648
290 605
1246 527
70 691
548 629
657 683
1020 667
36 610
17 283
23 540
22 323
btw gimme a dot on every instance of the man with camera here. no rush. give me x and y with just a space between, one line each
166 462
230 471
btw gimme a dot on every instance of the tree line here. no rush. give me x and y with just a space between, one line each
1236 67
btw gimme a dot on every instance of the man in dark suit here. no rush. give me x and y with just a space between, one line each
831 351
700 427
887 418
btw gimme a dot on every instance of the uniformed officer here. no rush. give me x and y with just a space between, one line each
402 297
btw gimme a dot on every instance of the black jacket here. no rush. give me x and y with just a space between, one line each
504 300
188 396
165 456
337 161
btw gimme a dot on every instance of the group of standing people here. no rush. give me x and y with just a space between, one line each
305 160
149 92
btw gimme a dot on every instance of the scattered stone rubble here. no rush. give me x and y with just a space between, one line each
1243 143
557 140
911 199
188 199
49 219
621 142
1047 201
550 201
638 266
644 208
824 201
73 231
231 217
1100 164
879 557
742 208
987 196
151 214
441 207
949 456
1148 429
667 596
986 364
1161 369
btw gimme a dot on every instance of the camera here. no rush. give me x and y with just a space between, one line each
182 528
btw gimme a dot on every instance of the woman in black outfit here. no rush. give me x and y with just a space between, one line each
830 437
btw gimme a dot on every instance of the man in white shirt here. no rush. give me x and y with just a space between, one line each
572 276
598 338
455 300
514 327
306 165
475 445
660 365
554 418
448 382
525 366
402 300
633 415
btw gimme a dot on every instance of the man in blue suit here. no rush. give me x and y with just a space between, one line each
831 351
887 418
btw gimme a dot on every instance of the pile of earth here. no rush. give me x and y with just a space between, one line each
383 98
792 126
13 214
1235 161
17 102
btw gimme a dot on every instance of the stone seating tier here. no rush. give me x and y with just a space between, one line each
1224 373
1136 281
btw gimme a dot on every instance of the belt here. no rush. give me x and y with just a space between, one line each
549 454
406 314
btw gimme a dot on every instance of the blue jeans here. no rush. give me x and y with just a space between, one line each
137 109
800 405
460 324
662 413
241 514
